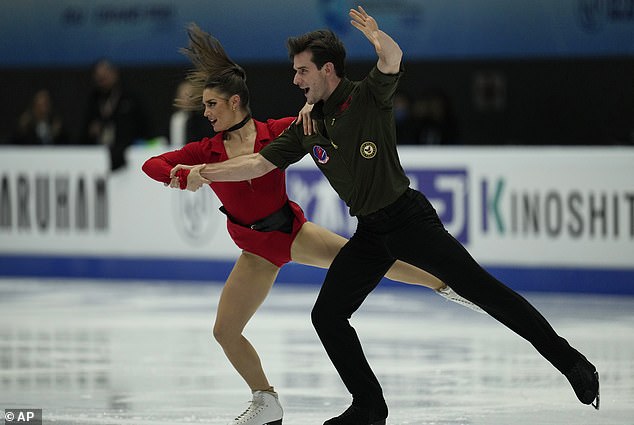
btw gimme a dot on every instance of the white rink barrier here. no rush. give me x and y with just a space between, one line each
539 218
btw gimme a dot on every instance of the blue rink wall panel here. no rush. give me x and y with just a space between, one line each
540 279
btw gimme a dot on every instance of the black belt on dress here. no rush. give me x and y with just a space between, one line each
281 220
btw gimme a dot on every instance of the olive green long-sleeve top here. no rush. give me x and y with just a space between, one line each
355 145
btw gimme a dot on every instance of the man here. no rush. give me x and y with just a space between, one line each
355 147
114 116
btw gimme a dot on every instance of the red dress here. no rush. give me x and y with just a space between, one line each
246 201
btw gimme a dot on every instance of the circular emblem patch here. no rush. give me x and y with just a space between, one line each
368 150
320 154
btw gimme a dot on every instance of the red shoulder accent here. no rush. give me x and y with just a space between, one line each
277 127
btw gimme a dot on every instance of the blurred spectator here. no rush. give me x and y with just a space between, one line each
406 128
187 125
114 117
39 124
435 119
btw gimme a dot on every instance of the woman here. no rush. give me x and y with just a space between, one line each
269 228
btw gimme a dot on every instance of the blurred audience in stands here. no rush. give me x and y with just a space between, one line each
39 124
114 116
427 119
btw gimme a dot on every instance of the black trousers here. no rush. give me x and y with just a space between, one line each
410 230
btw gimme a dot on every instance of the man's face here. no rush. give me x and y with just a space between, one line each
310 79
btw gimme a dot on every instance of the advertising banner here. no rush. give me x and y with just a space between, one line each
520 206
65 202
512 208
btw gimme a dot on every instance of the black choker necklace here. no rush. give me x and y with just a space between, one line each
237 126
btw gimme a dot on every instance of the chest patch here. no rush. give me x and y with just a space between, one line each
368 150
320 154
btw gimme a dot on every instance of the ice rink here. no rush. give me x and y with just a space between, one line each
137 353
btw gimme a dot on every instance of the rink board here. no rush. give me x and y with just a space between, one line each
555 219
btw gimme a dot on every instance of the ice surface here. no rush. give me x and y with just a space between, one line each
136 353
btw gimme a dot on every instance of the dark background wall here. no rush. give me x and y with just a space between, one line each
563 101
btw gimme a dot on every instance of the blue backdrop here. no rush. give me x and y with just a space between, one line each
72 32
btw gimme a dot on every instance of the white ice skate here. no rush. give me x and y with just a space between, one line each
264 409
451 295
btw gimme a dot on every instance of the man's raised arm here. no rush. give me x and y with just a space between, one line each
388 51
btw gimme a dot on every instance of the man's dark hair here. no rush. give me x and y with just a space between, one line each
325 47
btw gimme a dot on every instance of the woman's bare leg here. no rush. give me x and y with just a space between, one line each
246 288
317 246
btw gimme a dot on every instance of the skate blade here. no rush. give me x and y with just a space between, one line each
597 400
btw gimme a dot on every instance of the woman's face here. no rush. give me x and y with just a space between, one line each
222 112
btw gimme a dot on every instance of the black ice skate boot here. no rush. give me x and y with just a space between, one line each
584 378
357 415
